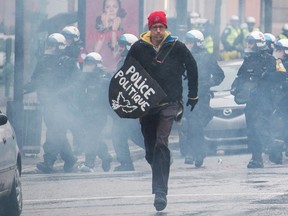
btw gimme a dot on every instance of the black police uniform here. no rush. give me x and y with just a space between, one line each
53 79
93 105
279 95
255 71
192 130
74 52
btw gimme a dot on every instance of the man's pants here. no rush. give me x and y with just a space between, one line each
156 127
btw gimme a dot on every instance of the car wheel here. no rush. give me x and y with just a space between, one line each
13 206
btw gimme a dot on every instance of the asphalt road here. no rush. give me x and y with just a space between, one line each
224 186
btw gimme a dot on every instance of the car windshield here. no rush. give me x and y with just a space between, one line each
230 71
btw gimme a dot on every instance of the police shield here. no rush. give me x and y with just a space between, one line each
132 91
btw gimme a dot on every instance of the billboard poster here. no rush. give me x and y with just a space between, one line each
106 20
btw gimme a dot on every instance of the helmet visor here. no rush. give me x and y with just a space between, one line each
250 39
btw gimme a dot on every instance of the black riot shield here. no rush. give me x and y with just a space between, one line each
132 91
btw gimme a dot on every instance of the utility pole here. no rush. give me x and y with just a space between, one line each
15 107
181 22
217 24
266 15
242 10
82 19
141 13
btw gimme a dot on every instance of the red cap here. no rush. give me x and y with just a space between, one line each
157 17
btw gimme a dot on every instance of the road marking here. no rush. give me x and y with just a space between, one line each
148 196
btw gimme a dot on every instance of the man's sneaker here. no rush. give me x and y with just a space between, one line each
189 160
69 165
199 161
160 201
44 167
106 164
125 167
84 168
255 164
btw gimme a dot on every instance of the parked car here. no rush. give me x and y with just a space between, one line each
228 126
10 171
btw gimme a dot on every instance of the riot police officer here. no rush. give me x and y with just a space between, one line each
76 51
92 104
279 95
252 89
125 129
53 80
210 74
284 33
230 39
270 40
74 46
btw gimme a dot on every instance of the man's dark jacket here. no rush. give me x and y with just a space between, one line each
167 73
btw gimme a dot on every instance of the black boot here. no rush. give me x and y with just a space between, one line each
105 156
276 157
69 164
125 167
255 162
199 161
47 165
189 160
106 163
44 167
275 152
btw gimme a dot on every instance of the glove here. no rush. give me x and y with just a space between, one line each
192 102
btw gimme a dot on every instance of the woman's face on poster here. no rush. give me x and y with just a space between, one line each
111 8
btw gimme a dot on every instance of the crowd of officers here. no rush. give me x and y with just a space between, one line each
72 87
261 84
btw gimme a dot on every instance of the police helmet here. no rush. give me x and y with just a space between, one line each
282 45
234 18
285 27
194 15
258 38
195 36
127 40
71 32
269 38
56 40
94 58
251 20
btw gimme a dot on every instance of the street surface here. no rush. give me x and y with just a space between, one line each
224 186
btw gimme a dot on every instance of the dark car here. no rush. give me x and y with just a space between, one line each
228 126
10 171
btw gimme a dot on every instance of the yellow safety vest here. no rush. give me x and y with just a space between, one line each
282 36
209 44
234 33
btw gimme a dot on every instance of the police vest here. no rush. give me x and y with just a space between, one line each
209 44
234 33
282 36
